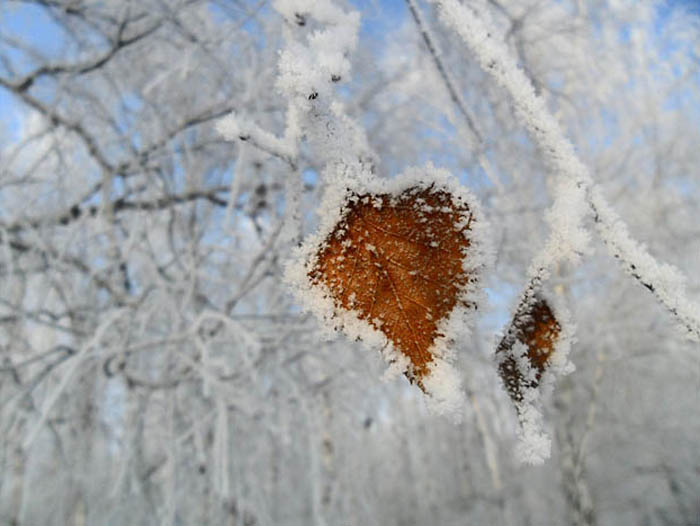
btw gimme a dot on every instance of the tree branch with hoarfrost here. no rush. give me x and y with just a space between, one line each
576 188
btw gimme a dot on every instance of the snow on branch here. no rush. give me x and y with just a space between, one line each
235 127
664 281
576 191
307 71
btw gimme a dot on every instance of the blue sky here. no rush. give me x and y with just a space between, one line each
30 24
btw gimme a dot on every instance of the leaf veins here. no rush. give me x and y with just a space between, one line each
396 261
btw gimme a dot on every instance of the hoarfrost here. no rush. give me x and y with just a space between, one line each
441 381
576 191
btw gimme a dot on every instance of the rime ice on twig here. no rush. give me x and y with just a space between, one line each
532 353
576 191
396 264
664 281
236 127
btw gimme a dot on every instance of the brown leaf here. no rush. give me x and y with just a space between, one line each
397 262
535 326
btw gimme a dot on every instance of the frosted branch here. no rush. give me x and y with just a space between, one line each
576 191
77 360
235 127
664 281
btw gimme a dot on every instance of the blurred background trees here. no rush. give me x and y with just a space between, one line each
153 369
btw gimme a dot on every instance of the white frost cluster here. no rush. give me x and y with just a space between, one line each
308 68
307 72
534 443
443 382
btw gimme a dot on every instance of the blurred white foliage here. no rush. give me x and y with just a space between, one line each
153 368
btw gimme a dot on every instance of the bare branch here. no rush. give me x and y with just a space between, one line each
450 84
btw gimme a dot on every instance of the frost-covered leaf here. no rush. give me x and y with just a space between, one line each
534 327
531 355
397 266
397 262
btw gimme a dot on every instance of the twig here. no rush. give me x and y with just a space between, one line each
578 190
447 79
